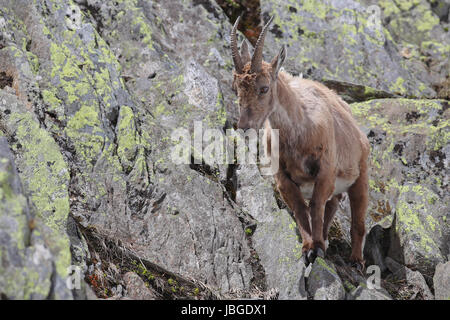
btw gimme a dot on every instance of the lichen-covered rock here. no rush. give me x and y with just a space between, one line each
279 251
275 239
44 174
110 101
407 179
441 8
417 30
421 31
323 282
345 40
27 265
441 281
188 226
44 177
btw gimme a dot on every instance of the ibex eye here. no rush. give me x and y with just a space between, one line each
263 90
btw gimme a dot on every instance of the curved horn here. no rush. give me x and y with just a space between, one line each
257 55
234 49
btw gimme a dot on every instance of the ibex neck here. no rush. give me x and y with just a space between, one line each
288 114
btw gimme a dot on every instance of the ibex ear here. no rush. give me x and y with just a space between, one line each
278 61
245 54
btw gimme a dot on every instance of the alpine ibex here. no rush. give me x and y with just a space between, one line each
322 152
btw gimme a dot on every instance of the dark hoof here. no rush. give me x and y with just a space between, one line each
304 258
314 253
359 266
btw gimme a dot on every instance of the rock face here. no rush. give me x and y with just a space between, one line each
414 279
410 152
324 282
361 42
441 281
275 239
95 97
362 293
420 34
28 269
136 288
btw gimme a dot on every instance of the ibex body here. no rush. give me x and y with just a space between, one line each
322 152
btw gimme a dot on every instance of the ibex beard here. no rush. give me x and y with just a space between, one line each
322 152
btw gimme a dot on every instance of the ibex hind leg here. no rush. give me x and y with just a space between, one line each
330 210
358 196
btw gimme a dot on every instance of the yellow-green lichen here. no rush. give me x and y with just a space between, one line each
398 87
126 135
323 264
45 176
85 131
427 21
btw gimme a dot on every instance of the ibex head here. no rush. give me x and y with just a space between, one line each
254 80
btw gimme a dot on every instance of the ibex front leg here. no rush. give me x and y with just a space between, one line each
323 189
291 194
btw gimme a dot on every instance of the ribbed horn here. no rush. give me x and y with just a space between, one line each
234 49
257 55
